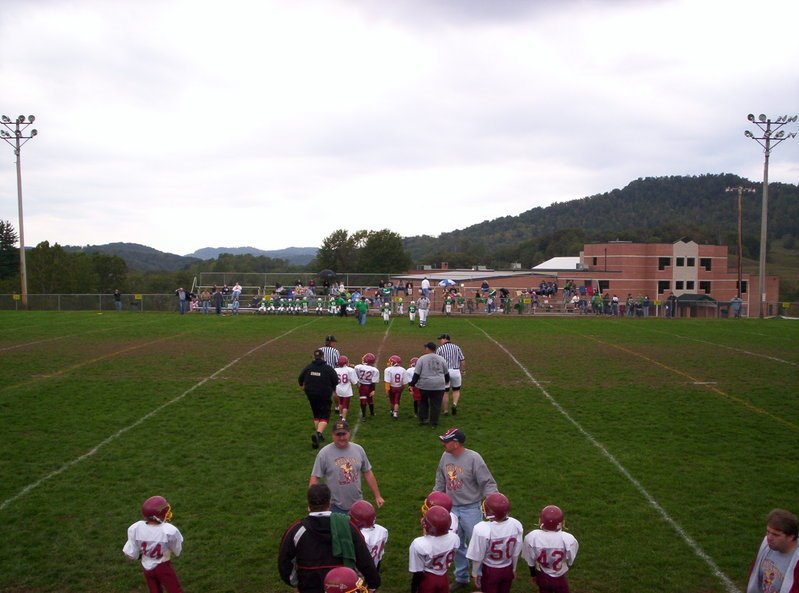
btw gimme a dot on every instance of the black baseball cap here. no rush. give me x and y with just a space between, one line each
330 338
453 434
444 337
341 426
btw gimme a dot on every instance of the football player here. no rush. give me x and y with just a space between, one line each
342 579
155 540
441 499
417 395
395 379
368 376
495 546
431 554
363 515
550 552
347 377
412 312
385 311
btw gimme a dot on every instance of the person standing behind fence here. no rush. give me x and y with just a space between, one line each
183 300
205 300
118 299
217 297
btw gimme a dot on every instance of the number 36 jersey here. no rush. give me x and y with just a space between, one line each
550 551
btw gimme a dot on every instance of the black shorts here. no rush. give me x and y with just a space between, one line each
320 407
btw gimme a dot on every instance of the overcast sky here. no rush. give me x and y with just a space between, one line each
181 124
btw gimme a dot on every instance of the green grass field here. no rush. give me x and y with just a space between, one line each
666 442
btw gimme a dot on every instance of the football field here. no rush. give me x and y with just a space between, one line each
665 442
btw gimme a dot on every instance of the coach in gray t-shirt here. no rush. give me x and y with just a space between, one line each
430 376
340 465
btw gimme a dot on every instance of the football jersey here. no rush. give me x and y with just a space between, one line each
376 538
395 376
496 543
346 377
433 554
550 551
153 543
367 374
408 375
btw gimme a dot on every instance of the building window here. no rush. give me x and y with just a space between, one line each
593 261
680 262
663 286
663 263
604 285
704 285
743 286
689 285
691 262
679 285
706 263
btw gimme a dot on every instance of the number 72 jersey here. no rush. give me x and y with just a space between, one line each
552 552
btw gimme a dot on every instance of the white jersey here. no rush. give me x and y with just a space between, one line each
346 377
367 374
495 543
550 551
396 376
408 375
433 554
376 538
153 543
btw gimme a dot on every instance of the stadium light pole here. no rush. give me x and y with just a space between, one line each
769 137
740 189
13 132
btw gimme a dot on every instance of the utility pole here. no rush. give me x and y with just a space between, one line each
740 189
14 135
770 137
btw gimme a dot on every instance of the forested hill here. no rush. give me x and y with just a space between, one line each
655 209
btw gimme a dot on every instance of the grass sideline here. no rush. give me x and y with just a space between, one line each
100 411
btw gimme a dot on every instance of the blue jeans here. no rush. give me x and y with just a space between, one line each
361 318
468 515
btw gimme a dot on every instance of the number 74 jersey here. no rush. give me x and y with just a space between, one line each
552 552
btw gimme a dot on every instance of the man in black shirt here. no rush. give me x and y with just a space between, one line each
319 380
319 542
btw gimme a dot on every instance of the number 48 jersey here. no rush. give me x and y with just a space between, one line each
552 552
496 543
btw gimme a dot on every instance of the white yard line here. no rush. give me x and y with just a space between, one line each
728 584
122 431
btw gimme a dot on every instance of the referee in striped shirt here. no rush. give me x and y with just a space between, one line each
330 352
453 354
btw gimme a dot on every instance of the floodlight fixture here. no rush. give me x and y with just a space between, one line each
34 132
770 138
17 140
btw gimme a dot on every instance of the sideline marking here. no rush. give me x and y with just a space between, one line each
147 416
729 585
741 350
709 384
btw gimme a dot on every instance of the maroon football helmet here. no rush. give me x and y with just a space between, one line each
496 507
362 513
437 499
343 361
394 360
551 518
156 508
436 521
368 358
343 579
413 361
